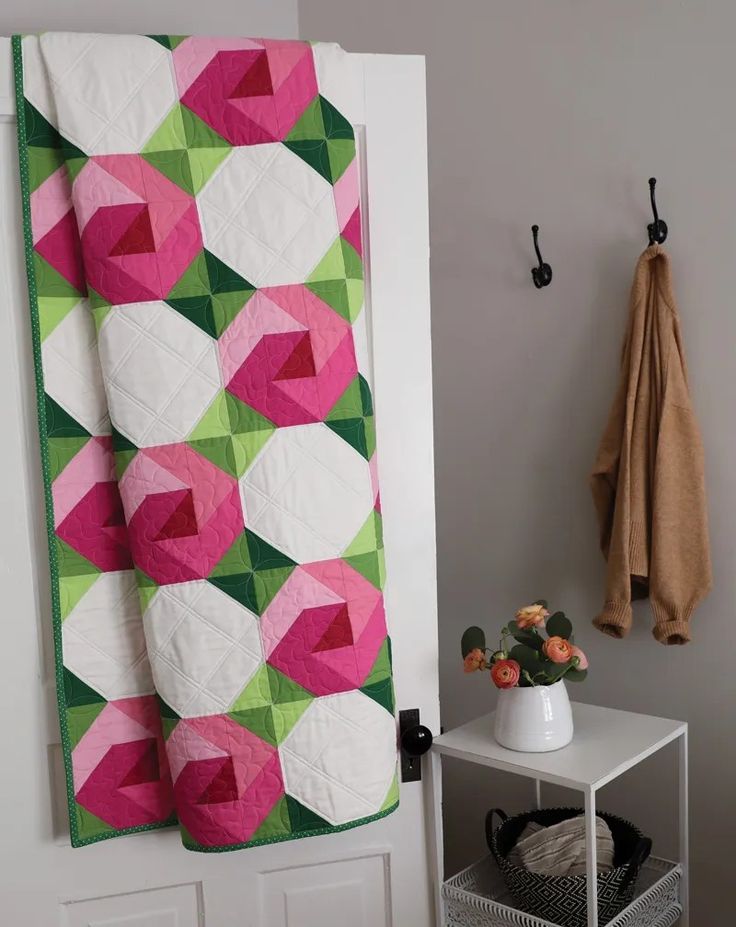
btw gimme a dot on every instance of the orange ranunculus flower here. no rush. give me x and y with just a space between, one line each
558 650
475 660
531 616
505 674
583 660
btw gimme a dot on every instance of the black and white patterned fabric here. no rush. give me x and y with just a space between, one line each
563 899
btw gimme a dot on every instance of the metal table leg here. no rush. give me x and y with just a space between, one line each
591 857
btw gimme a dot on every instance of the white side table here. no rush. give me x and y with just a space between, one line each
607 742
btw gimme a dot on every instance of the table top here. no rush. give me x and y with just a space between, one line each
607 742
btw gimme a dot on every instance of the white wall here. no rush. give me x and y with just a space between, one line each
268 18
558 113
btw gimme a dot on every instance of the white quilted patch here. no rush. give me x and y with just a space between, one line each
340 758
196 626
268 215
103 638
308 493
160 371
71 370
116 115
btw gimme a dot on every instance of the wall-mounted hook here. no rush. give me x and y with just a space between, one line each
657 229
542 275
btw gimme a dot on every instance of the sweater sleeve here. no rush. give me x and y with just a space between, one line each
680 570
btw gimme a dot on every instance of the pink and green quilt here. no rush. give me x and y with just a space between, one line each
193 244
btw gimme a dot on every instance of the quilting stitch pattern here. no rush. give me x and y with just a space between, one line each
193 244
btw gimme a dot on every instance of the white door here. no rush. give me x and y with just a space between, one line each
373 876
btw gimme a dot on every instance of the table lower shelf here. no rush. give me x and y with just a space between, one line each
477 897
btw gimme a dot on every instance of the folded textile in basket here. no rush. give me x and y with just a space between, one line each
559 850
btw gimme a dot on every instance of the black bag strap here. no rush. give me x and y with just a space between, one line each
640 855
490 828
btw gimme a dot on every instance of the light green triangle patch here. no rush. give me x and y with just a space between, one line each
352 261
332 265
369 538
198 134
195 280
62 451
42 162
340 152
349 405
95 300
247 447
99 314
203 162
285 716
170 135
267 583
355 298
334 293
74 167
215 423
236 560
122 460
145 595
258 721
71 590
285 690
71 563
226 306
218 451
244 419
89 825
80 719
311 125
174 165
275 824
256 694
392 796
381 667
49 282
369 566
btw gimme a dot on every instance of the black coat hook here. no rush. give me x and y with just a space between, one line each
657 229
542 275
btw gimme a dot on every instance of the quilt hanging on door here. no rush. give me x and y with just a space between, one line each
193 246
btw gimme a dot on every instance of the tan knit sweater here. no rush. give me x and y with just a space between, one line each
647 482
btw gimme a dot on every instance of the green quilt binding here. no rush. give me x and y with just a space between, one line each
76 840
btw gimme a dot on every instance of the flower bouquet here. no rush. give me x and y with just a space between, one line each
533 712
544 651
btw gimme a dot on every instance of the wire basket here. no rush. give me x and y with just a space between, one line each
477 897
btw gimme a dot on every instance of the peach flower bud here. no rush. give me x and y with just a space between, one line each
558 650
505 674
475 660
582 659
531 616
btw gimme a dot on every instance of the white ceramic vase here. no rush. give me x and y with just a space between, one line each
534 719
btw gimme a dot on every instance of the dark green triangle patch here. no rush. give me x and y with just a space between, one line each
382 693
59 424
77 692
263 556
239 586
302 819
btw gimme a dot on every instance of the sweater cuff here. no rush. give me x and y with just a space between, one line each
671 628
615 619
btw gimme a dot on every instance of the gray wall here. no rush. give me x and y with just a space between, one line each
272 18
558 113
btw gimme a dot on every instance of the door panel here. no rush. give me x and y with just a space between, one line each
304 896
378 872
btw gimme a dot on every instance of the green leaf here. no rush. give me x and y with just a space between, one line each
559 626
542 602
525 636
526 657
473 638
576 675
